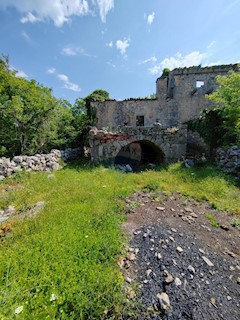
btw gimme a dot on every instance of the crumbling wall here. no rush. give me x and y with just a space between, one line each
105 145
113 114
181 95
38 162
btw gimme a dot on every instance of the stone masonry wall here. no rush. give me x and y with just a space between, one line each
180 99
229 160
106 145
38 162
181 96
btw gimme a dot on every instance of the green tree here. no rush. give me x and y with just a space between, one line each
227 97
85 114
31 119
165 72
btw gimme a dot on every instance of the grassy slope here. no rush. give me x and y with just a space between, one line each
70 250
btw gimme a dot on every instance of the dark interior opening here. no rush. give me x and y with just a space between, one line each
140 153
140 121
151 153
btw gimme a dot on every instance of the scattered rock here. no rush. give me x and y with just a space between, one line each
179 249
208 262
168 278
213 302
132 257
177 282
164 301
160 208
191 269
18 310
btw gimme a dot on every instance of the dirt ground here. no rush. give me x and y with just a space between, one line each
183 260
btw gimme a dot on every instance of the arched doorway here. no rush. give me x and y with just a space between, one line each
139 153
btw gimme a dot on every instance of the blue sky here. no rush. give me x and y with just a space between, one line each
77 46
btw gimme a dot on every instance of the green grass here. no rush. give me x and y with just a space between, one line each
71 248
212 220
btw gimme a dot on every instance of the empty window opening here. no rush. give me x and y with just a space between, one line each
199 83
140 121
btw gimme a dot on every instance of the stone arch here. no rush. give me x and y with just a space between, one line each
139 152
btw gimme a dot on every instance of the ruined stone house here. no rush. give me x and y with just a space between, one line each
137 131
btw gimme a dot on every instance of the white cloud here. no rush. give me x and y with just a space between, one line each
59 11
179 61
122 45
110 44
150 18
151 59
21 74
68 84
104 7
51 70
63 77
111 64
30 18
72 86
72 51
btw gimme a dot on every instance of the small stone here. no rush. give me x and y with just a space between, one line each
136 250
177 282
208 262
173 210
53 297
131 293
188 209
148 272
238 280
160 208
159 256
231 254
129 280
194 215
213 302
168 277
145 235
229 298
18 310
201 250
179 249
164 301
174 262
173 230
145 281
191 269
205 227
132 257
121 262
172 239
231 268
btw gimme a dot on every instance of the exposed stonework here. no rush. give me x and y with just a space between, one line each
180 98
38 162
229 160
105 146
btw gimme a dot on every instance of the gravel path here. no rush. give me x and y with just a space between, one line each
178 266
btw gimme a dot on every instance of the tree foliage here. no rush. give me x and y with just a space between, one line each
31 119
85 114
220 125
227 97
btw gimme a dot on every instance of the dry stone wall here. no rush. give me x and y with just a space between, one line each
229 160
38 162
